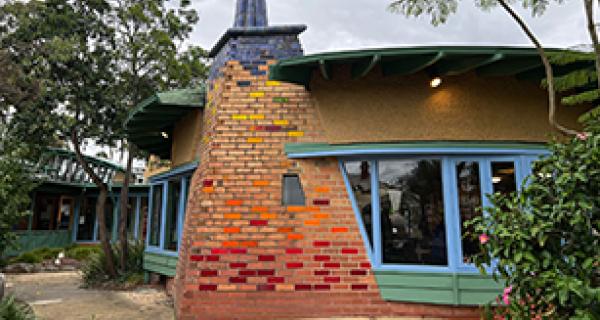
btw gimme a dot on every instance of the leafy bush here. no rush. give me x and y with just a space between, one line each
82 253
13 310
27 257
545 239
95 273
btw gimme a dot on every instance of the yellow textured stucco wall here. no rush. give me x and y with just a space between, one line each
186 137
467 107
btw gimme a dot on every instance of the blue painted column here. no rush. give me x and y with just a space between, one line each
375 207
163 215
76 218
149 218
181 213
136 226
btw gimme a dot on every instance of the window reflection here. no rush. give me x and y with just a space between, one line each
171 237
87 220
412 212
359 175
155 219
503 177
469 203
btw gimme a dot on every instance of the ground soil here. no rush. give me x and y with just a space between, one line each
59 296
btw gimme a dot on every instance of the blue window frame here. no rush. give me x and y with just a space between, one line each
410 206
165 223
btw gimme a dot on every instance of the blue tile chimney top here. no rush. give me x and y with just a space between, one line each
251 13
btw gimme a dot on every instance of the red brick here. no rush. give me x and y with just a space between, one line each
293 251
259 223
238 251
322 272
360 287
237 280
350 251
358 272
238 265
303 287
365 265
207 183
248 273
275 280
208 273
265 287
332 279
207 287
266 272
322 258
334 265
294 265
266 258
197 258
212 258
321 243
219 251
321 202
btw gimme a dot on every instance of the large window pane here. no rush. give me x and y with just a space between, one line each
413 229
359 175
469 203
87 220
503 177
131 209
171 238
155 218
143 217
65 213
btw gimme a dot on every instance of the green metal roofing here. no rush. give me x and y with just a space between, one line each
159 113
437 61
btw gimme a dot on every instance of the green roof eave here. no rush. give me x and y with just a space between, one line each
320 150
159 113
89 159
438 61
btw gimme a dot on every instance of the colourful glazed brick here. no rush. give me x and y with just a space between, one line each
321 215
322 272
322 189
247 273
255 140
208 273
294 250
237 280
259 223
332 279
339 229
322 287
259 209
232 216
332 265
293 236
219 251
312 222
249 244
265 287
272 83
266 273
322 258
349 251
232 230
207 287
360 287
208 189
212 258
285 229
257 94
281 100
238 251
257 117
296 134
321 243
197 258
234 203
321 202
275 280
365 265
207 183
358 272
239 117
273 128
230 244
238 265
281 122
268 216
294 265
303 287
244 83
261 183
296 209
266 258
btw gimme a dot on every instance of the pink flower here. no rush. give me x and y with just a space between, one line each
583 136
484 238
506 295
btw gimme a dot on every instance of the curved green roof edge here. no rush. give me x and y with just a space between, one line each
90 159
438 60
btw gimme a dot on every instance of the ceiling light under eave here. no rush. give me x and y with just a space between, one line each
436 82
164 135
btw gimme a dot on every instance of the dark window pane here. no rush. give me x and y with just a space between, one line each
155 219
413 230
171 238
109 217
143 217
65 214
44 214
503 177
87 220
359 175
469 203
293 195
131 209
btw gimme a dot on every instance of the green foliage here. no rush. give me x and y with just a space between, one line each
545 239
83 253
95 273
10 309
441 10
27 257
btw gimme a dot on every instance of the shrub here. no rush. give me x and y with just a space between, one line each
82 253
10 309
27 257
545 239
95 273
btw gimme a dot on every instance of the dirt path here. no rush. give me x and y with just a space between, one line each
57 296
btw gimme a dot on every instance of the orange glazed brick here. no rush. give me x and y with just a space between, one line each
261 183
268 216
339 229
232 230
208 189
255 140
249 244
232 216
321 215
312 222
230 244
285 230
234 203
294 236
322 189
296 209
259 209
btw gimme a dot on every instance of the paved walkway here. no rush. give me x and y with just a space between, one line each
57 296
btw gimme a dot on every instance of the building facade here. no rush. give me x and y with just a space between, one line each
336 184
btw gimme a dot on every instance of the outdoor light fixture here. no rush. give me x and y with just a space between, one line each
435 82
165 135
496 180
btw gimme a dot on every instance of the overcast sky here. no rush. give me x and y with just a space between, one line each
352 24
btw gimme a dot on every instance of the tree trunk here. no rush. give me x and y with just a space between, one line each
100 205
589 13
547 66
124 206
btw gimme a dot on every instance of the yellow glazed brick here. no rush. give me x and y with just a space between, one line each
239 117
296 134
257 117
257 94
268 216
233 216
255 140
272 83
281 122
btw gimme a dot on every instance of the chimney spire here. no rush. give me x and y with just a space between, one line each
251 13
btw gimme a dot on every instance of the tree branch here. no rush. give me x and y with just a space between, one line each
589 13
547 66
